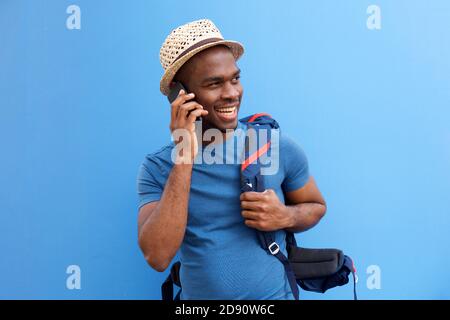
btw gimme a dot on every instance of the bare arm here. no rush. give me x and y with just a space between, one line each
305 207
162 224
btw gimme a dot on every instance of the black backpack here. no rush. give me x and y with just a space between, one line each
314 270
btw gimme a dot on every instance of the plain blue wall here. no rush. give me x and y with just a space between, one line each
79 109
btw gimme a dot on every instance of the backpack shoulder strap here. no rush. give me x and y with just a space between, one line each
252 180
172 279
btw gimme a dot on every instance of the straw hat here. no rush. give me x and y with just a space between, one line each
187 40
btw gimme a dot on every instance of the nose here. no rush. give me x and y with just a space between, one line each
230 91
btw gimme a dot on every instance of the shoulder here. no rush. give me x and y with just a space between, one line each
290 149
294 162
287 141
161 153
160 160
292 152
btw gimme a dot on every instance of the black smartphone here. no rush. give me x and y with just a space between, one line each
175 90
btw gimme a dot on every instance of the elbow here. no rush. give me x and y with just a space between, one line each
153 258
323 210
159 266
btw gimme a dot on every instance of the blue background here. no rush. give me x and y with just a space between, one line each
79 109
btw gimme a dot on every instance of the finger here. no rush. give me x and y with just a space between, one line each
181 98
251 215
188 107
252 196
252 224
249 205
174 106
196 113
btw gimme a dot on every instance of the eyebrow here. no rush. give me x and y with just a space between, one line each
218 79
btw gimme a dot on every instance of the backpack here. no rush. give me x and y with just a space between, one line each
315 270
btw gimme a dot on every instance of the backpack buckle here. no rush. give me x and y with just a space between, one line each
274 248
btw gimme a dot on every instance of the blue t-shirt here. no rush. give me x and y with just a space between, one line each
221 257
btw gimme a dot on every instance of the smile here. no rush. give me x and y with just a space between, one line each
228 110
227 113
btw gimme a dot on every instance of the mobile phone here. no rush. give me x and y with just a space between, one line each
175 90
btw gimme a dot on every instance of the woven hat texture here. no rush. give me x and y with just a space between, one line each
186 41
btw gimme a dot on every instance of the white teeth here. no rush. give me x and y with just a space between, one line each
226 110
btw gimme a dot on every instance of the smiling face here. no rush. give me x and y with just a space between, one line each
213 76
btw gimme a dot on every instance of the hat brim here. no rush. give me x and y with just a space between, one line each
236 48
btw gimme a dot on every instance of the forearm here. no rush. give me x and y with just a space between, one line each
163 232
303 216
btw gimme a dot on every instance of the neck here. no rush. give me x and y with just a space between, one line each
226 134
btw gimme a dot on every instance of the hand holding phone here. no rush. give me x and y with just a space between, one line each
184 111
174 92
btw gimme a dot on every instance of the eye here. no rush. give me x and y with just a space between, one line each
236 79
212 84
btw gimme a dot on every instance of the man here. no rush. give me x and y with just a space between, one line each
197 208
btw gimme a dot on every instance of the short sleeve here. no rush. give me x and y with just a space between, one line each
295 164
148 187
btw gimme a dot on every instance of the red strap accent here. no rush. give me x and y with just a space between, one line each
255 156
257 115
